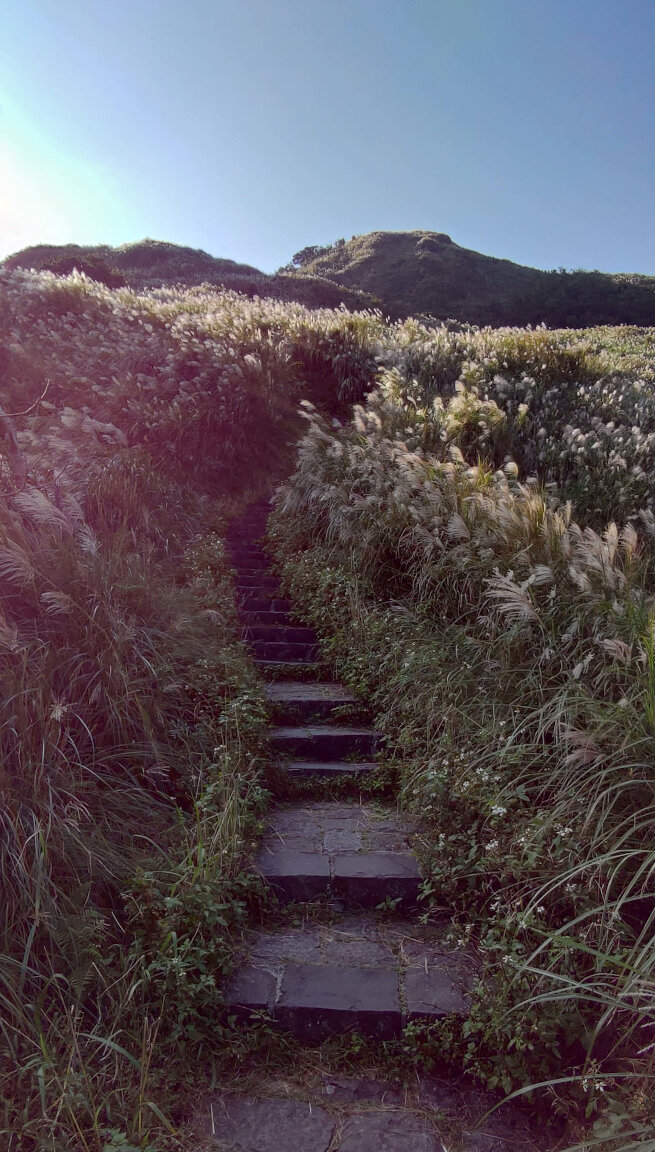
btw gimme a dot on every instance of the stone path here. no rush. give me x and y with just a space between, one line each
352 967
357 856
357 1114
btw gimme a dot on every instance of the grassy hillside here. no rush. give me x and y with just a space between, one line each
506 639
404 273
427 273
131 428
156 264
507 646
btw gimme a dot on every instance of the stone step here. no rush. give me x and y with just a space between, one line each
281 633
255 514
378 1123
257 584
295 702
252 568
358 853
271 619
247 532
282 651
324 742
328 769
287 669
344 1110
355 879
353 976
255 562
245 545
264 603
248 537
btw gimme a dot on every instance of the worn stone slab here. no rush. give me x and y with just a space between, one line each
377 865
266 616
248 1124
357 952
371 878
327 955
273 669
432 994
328 768
333 823
363 1109
324 742
389 1131
310 703
342 840
318 690
249 562
317 1001
282 650
281 633
252 990
299 816
257 584
296 875
265 604
272 951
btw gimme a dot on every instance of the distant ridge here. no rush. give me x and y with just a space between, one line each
156 264
427 273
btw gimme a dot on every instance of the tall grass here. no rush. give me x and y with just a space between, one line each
509 651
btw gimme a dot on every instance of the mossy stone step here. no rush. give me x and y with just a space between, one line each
331 1111
293 702
289 669
281 633
268 619
357 975
283 650
324 742
249 562
263 604
257 583
328 769
358 853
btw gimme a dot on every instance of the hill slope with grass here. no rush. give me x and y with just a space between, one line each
474 543
156 264
427 273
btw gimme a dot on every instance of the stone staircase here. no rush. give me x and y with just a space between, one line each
349 953
362 969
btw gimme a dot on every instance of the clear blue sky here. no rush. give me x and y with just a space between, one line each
250 128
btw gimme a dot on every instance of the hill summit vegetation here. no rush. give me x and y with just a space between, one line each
475 542
426 273
156 264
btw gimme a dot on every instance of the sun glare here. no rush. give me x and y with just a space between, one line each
52 196
28 212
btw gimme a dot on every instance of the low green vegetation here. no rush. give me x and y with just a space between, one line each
503 637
